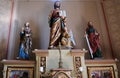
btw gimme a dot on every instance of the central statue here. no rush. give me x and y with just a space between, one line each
58 29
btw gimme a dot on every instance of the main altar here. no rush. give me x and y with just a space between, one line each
61 59
72 62
74 65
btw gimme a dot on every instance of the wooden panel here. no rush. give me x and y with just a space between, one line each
100 61
77 65
11 66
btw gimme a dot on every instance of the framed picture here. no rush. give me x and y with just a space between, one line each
100 72
20 72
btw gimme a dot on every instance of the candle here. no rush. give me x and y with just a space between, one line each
41 69
83 49
36 49
81 69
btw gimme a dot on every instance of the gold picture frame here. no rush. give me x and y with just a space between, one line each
100 72
20 72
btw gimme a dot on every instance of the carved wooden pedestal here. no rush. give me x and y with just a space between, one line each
40 62
79 63
76 58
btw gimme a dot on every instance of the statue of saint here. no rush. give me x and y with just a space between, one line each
58 29
25 42
92 37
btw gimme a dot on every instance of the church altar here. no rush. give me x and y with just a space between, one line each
49 59
74 65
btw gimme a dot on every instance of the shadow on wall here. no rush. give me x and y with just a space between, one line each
3 50
81 36
35 34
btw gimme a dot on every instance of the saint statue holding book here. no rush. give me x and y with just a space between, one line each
58 29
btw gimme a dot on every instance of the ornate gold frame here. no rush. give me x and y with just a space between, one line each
100 71
30 70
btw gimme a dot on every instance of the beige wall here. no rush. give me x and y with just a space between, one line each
5 13
112 11
79 12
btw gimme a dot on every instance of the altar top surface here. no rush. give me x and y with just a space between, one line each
100 61
71 50
17 62
61 69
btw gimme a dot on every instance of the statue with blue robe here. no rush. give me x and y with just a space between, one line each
25 42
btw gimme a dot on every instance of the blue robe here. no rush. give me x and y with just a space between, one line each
22 53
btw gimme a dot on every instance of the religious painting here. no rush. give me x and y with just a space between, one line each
20 72
100 72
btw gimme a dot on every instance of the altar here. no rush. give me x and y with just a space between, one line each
47 61
69 30
74 65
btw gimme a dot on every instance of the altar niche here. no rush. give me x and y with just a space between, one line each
73 64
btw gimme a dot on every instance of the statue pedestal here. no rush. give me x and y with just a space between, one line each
49 59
